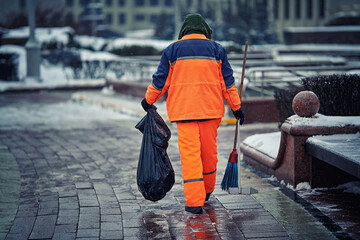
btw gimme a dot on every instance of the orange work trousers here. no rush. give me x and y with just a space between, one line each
198 154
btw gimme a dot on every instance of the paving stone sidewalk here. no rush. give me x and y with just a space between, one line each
80 183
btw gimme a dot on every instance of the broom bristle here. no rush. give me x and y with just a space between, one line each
230 178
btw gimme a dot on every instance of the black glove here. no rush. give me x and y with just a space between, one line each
145 105
239 114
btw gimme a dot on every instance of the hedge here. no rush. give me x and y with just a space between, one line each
339 95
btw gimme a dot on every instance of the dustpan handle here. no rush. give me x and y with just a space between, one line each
236 133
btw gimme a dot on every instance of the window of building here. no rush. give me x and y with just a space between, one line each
286 9
169 3
154 2
121 3
154 18
139 17
321 8
122 19
298 9
140 2
109 18
22 4
109 3
69 18
276 9
309 9
69 3
84 2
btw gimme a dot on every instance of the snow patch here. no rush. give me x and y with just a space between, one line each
337 29
87 55
287 185
303 186
267 143
350 187
43 35
109 90
320 120
291 59
95 43
146 33
127 42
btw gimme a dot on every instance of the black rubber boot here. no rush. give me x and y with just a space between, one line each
194 210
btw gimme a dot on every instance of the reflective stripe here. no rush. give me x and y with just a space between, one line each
152 83
194 57
194 180
230 86
210 172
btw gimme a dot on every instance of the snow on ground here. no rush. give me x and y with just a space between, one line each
87 55
146 33
52 75
337 29
267 143
49 73
96 43
292 59
304 188
320 47
43 35
349 187
127 42
56 116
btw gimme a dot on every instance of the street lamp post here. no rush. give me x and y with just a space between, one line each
33 57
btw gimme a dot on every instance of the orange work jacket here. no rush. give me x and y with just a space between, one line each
197 75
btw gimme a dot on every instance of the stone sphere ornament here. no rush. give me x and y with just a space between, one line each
306 104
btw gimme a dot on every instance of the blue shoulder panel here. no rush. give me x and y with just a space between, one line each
192 49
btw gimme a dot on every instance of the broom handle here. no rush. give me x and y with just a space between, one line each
241 89
236 134
243 69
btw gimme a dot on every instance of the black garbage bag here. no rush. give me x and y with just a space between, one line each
155 174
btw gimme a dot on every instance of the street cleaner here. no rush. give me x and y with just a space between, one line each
197 76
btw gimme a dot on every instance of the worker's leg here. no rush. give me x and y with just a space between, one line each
208 134
192 170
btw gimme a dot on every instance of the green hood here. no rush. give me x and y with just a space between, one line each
195 23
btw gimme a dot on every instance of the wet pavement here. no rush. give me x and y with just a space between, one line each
74 177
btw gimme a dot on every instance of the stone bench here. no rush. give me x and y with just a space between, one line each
293 163
334 158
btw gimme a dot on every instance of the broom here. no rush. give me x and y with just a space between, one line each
230 178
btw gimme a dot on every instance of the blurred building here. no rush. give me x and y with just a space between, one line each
308 13
120 16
